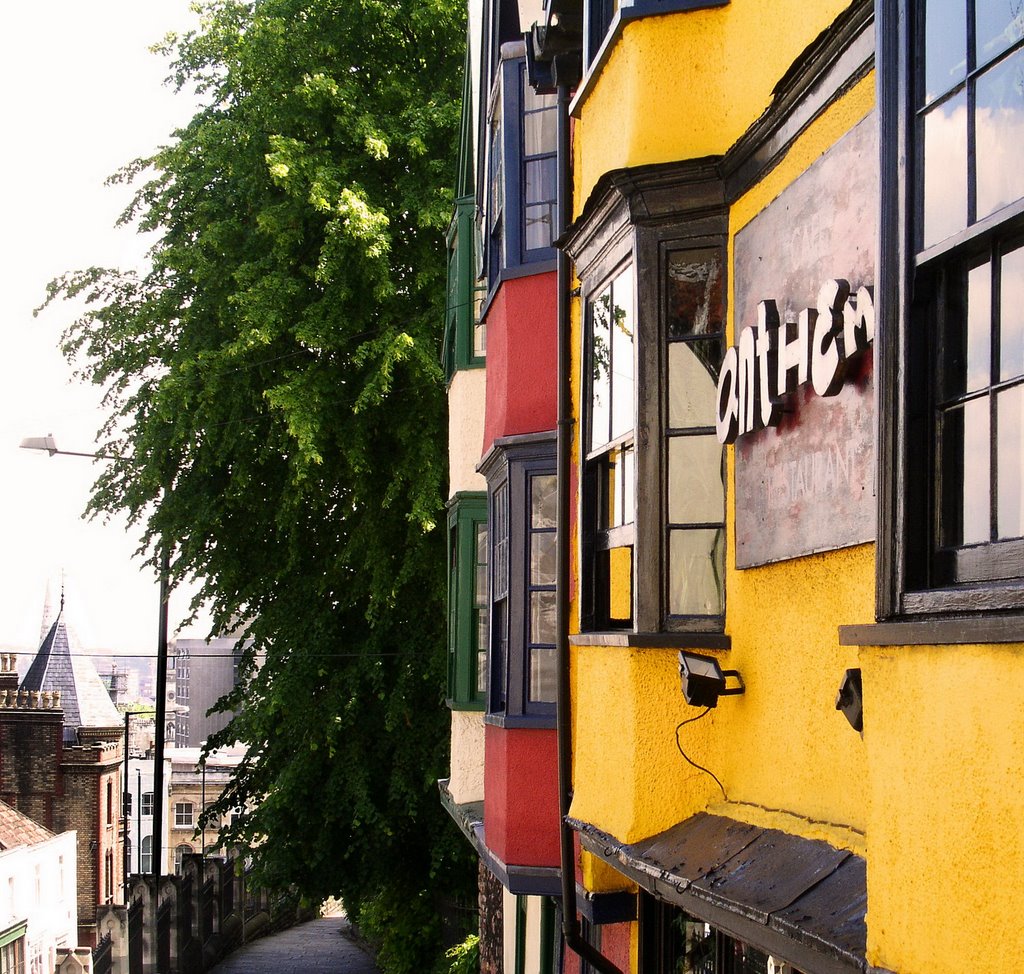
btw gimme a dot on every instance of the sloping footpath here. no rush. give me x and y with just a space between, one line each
317 946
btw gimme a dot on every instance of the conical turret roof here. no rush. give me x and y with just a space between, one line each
57 666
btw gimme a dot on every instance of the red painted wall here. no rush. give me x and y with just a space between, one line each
521 795
615 945
522 351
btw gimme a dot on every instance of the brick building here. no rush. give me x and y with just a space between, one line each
61 742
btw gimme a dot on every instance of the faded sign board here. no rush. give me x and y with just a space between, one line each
807 485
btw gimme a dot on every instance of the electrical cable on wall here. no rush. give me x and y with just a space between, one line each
687 759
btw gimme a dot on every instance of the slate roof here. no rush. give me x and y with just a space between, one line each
84 698
17 829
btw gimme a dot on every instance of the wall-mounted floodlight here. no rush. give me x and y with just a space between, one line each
850 699
703 680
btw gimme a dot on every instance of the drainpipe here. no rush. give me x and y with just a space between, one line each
570 924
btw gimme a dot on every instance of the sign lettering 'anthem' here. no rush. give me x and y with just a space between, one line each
772 359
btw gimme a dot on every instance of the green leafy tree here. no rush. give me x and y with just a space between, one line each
278 407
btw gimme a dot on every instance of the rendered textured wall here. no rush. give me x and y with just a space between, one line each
687 85
466 781
521 353
781 746
944 734
465 429
521 795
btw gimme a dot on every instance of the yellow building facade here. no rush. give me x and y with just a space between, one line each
797 355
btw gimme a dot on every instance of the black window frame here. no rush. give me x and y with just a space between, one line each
509 467
641 217
918 580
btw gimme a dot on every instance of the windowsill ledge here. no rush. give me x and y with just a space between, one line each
654 640
935 632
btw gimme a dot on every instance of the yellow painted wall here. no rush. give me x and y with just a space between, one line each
930 794
944 734
688 85
780 748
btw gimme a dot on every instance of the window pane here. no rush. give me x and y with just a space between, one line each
544 500
534 102
979 328
693 382
481 655
622 354
945 169
542 558
999 23
999 121
542 675
539 221
542 617
601 361
539 131
1010 469
480 582
965 473
540 180
696 491
694 293
1011 315
620 584
945 27
618 470
696 571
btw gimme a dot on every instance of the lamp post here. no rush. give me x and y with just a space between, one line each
48 444
128 714
202 799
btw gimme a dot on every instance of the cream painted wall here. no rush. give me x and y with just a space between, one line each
466 783
38 884
466 429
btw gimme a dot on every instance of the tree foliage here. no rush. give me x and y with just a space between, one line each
277 407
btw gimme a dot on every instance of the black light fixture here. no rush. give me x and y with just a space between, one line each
703 680
850 699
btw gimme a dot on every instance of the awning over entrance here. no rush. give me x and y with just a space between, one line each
801 900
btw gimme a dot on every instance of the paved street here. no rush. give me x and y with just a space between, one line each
318 946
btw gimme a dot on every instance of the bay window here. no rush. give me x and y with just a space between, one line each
952 287
521 486
518 207
653 474
467 600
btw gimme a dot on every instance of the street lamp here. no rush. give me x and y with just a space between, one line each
48 444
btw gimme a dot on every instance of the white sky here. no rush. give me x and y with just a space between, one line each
81 95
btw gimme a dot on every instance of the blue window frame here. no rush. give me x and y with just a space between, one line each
518 195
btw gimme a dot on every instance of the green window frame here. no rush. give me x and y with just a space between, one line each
467 600
465 337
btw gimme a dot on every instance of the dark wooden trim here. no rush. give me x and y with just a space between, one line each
936 632
619 906
890 289
654 640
